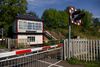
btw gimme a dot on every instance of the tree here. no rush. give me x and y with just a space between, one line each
55 19
9 9
87 19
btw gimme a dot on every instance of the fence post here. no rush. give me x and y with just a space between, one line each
99 50
91 48
64 50
94 49
72 45
9 44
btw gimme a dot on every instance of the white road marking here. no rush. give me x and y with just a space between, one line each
55 64
51 64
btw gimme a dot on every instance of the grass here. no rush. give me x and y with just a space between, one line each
91 64
86 64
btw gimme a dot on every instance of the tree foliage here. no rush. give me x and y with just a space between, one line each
87 19
59 20
8 11
55 19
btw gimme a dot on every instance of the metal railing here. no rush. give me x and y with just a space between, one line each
36 59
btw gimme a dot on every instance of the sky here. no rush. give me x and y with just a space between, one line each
39 6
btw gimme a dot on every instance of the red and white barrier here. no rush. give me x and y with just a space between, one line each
23 51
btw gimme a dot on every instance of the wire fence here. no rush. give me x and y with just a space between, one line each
82 49
37 59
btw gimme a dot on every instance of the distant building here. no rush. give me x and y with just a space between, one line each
29 28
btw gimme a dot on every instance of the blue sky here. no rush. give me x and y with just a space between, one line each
38 6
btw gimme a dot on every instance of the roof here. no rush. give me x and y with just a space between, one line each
28 17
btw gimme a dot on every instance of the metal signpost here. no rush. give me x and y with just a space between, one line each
75 18
70 10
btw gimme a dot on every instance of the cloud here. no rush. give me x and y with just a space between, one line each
41 1
46 2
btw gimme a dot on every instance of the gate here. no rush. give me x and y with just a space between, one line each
44 58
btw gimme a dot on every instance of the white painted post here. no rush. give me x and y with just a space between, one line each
84 56
64 49
67 48
75 47
78 49
86 50
91 50
81 49
72 47
96 49
88 53
99 50
9 44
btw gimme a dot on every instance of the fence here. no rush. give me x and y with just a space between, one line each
45 58
3 42
18 43
82 49
14 43
22 43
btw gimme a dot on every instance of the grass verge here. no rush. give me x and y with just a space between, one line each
86 64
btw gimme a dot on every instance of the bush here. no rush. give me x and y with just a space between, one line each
74 61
